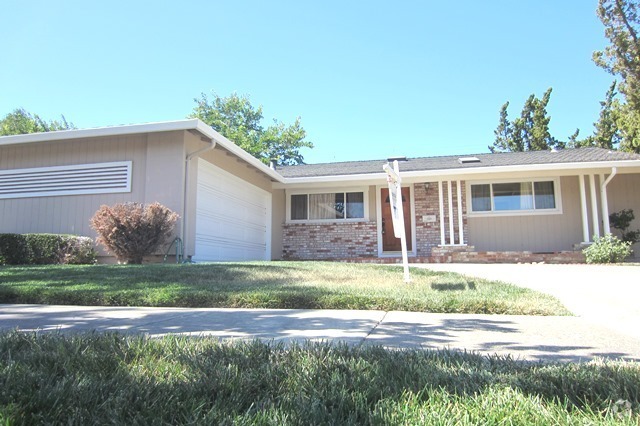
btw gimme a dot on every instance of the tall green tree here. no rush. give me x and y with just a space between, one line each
607 133
20 122
621 58
529 131
235 118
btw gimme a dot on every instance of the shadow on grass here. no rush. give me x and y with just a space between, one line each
177 381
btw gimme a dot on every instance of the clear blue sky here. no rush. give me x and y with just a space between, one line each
369 79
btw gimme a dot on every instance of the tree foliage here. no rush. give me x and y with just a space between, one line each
607 133
235 118
20 122
529 132
621 58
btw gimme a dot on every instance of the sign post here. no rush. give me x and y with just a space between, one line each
397 212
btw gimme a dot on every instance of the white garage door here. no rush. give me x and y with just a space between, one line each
232 217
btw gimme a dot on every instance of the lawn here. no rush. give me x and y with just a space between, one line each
116 379
302 285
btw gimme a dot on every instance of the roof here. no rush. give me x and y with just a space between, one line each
449 162
192 124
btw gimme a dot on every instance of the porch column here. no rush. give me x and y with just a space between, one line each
594 206
452 237
604 201
583 205
460 221
441 202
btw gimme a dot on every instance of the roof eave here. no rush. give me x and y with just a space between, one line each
465 171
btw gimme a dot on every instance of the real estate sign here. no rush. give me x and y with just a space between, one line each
397 211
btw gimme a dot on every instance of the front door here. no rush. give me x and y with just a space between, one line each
389 240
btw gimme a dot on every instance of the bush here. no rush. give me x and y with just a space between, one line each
622 221
131 231
14 249
607 249
45 249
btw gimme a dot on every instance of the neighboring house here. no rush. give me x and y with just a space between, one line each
531 206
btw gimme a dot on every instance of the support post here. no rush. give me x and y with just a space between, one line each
594 206
460 220
604 202
583 209
450 199
441 202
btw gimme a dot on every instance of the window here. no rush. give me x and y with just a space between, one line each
327 206
513 197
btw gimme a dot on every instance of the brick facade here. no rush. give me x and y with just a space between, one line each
427 203
358 241
349 240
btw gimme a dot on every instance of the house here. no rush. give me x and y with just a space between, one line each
530 206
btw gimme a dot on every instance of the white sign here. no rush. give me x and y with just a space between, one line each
397 212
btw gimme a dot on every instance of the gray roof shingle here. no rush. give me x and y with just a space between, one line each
578 155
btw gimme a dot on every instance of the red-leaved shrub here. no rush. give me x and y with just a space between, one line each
131 231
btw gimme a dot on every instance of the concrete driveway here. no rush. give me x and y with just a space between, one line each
603 295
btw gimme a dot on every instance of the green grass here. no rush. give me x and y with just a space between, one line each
303 285
117 379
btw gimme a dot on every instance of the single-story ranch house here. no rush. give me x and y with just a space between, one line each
529 206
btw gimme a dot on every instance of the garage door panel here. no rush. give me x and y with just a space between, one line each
231 217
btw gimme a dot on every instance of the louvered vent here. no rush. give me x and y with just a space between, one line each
66 180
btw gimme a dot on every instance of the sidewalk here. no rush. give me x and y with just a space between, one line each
522 337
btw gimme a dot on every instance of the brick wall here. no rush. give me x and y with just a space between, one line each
349 240
427 203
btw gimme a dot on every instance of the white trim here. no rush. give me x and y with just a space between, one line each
365 200
594 206
452 235
583 211
441 205
457 172
460 220
390 254
533 212
76 179
604 202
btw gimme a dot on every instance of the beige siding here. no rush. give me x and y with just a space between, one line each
156 176
538 233
623 192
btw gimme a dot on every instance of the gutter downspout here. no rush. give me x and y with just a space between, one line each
187 161
604 202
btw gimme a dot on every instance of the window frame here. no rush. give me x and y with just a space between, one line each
365 202
529 212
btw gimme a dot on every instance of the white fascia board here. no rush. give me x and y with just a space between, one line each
129 129
458 173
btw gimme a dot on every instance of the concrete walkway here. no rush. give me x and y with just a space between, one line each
522 337
603 295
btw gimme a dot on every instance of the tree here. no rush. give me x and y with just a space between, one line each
607 133
621 21
621 58
235 118
529 132
20 122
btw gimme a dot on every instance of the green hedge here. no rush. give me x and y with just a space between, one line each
45 249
